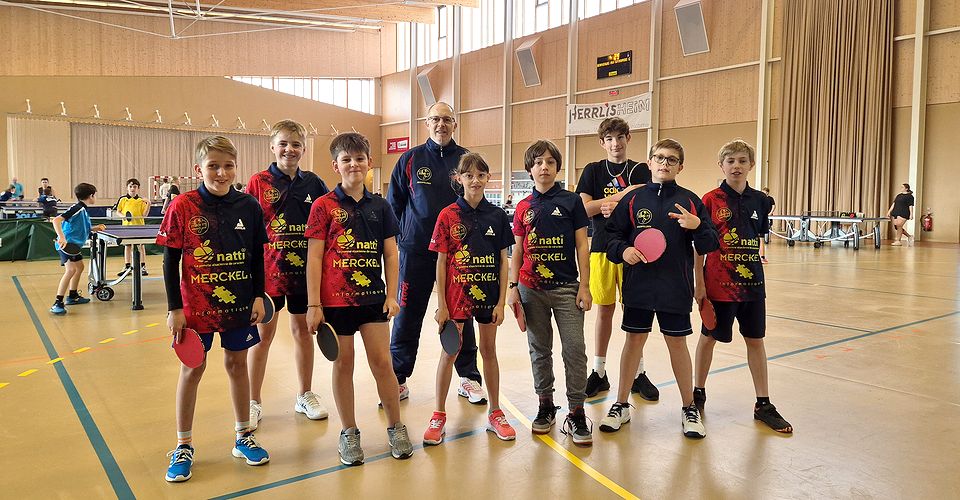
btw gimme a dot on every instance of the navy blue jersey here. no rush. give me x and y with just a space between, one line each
601 179
286 206
421 185
473 239
667 283
735 273
548 223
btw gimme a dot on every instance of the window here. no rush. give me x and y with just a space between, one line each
534 16
403 46
358 94
597 7
482 26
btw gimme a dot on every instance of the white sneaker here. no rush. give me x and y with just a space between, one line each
256 413
404 394
309 404
910 241
618 415
472 390
692 423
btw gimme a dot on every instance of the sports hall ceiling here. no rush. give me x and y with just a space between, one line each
335 15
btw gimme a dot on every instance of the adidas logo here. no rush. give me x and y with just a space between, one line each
249 337
239 225
754 216
490 231
556 211
308 199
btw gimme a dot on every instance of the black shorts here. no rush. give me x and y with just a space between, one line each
348 320
752 317
486 319
296 304
637 320
238 339
64 258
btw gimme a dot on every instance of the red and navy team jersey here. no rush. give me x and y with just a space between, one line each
548 223
735 273
286 206
473 239
354 233
215 234
601 179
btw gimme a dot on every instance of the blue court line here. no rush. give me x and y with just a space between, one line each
110 466
330 470
802 350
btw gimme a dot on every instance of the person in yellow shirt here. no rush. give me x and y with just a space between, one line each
132 209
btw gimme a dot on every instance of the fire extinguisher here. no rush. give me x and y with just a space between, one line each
926 223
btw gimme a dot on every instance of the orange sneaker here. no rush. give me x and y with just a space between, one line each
500 426
435 431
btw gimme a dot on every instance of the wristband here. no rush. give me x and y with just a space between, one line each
512 284
314 305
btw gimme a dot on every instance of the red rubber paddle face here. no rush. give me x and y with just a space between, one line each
521 317
650 243
451 336
707 315
328 342
190 350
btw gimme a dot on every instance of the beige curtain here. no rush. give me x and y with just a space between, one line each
107 155
837 60
39 148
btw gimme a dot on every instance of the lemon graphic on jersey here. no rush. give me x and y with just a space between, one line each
462 255
346 240
744 272
203 253
531 237
278 224
224 295
731 238
294 259
360 279
477 293
543 271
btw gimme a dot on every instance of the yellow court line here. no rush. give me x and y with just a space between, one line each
107 340
4 384
131 332
54 360
152 324
82 349
27 373
575 460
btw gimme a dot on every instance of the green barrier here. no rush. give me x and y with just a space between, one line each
13 239
32 239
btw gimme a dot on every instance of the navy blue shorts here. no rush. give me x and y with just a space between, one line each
641 321
64 258
752 317
238 339
348 320
296 304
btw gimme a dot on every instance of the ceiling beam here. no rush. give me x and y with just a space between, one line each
346 8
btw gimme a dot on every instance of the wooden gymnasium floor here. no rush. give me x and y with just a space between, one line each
864 352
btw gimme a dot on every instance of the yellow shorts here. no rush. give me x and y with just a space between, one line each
605 279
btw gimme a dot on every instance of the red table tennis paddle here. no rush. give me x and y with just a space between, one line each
190 349
521 317
269 309
328 342
650 243
451 336
707 314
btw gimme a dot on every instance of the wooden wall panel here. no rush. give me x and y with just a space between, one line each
441 80
551 56
388 49
482 128
625 29
604 95
37 43
700 146
733 31
777 49
539 120
943 69
395 97
481 78
724 97
776 88
944 14
902 73
941 182
904 17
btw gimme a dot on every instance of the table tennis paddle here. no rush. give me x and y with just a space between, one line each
128 216
71 249
650 243
521 317
707 314
190 349
328 342
269 309
451 336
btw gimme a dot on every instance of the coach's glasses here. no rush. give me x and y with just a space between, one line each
433 120
672 161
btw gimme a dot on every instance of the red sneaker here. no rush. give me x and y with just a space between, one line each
500 426
435 431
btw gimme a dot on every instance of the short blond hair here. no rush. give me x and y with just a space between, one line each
214 143
737 146
667 144
287 126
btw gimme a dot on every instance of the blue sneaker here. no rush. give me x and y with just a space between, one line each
181 462
58 308
71 301
246 447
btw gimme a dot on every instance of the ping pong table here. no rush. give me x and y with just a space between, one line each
15 209
819 229
99 285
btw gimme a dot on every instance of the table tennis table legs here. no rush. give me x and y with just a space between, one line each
137 279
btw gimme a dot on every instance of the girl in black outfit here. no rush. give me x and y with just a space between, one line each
900 212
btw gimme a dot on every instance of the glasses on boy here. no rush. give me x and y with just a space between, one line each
671 161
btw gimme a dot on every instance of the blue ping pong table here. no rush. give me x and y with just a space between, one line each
99 285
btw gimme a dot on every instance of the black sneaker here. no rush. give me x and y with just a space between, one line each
126 269
596 384
546 416
769 415
699 398
575 426
645 388
143 270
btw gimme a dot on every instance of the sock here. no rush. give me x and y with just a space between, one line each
763 401
640 367
74 294
127 265
575 406
600 365
242 428
546 400
185 438
59 299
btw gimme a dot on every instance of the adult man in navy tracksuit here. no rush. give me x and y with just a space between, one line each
422 185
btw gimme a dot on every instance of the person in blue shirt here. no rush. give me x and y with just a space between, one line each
421 185
18 188
73 226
